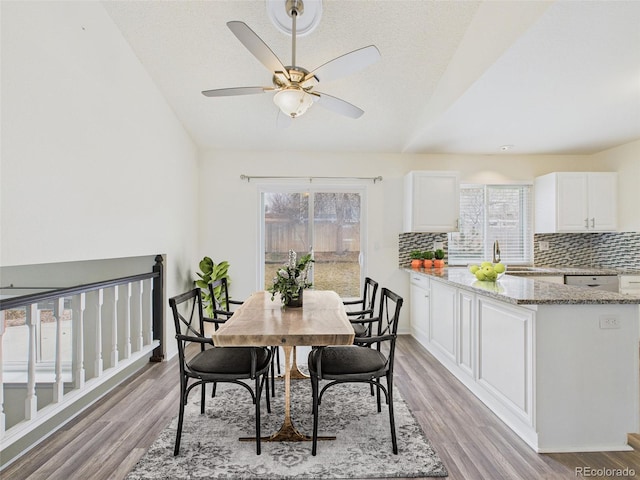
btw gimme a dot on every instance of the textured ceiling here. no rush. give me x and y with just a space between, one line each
454 77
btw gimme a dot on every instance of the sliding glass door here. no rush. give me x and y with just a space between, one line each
325 221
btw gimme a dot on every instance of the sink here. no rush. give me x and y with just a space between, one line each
524 268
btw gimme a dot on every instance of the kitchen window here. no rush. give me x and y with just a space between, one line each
489 213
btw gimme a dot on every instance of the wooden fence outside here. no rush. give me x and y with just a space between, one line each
280 237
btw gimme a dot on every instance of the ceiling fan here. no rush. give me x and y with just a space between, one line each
294 85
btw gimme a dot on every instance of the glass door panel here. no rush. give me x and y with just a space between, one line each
328 222
336 242
286 227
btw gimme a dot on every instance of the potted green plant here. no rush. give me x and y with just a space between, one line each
292 279
210 272
416 259
439 261
427 259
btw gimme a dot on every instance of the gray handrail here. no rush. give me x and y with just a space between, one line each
23 300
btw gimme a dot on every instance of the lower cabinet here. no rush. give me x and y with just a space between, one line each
453 328
556 374
466 332
442 332
419 307
549 278
506 356
488 345
630 284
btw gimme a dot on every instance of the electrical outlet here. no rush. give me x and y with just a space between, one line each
543 246
609 321
438 246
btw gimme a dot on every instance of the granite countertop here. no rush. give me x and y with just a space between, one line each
543 270
520 290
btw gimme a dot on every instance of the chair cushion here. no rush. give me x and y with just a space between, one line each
347 360
360 329
228 360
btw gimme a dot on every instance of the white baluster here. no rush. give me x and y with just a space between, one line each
147 312
136 316
31 402
2 416
97 338
58 385
78 307
110 326
124 320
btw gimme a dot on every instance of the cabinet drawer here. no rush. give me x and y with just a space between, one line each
420 281
630 284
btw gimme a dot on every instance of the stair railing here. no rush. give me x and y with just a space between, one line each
59 344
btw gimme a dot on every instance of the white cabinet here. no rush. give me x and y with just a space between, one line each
466 332
419 308
431 201
630 284
442 331
576 202
547 278
528 364
505 361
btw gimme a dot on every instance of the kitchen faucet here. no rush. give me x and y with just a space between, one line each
496 252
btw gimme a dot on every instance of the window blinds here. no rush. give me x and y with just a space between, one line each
489 213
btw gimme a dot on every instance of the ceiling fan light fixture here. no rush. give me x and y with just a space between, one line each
293 101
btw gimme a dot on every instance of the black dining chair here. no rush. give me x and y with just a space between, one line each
365 306
221 304
214 364
223 307
352 363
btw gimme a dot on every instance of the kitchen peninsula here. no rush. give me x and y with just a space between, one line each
558 364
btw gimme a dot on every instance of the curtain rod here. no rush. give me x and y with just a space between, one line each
311 179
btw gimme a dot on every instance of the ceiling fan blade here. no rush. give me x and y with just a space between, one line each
257 47
346 64
228 92
337 105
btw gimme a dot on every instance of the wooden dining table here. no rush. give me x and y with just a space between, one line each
260 321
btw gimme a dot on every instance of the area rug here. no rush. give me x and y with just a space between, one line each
210 447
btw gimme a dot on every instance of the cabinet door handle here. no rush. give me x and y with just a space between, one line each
586 223
593 222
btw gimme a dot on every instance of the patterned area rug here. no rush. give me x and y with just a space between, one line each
210 447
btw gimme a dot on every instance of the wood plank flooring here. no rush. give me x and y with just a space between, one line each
108 439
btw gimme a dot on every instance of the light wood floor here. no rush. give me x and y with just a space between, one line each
107 440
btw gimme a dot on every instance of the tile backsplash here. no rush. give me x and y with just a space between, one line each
607 250
418 241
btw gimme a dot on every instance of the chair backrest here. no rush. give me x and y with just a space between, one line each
369 294
389 316
191 303
219 293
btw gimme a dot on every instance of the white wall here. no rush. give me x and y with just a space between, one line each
229 230
94 162
625 160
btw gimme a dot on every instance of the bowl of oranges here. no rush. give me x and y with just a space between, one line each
488 271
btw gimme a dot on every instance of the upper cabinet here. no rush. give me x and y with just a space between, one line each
431 201
576 202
